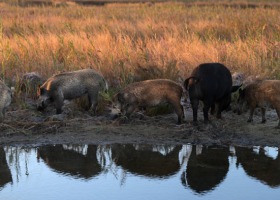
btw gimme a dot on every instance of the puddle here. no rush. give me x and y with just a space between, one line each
139 172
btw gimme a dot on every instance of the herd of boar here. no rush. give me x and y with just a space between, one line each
210 83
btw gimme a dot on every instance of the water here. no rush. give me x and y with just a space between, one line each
139 172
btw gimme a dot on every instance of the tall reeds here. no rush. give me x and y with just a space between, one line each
129 42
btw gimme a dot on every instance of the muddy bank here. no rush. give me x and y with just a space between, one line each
32 128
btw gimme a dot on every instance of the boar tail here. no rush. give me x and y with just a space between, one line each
186 82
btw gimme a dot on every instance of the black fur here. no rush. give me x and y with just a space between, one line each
212 84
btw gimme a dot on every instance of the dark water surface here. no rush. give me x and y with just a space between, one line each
139 172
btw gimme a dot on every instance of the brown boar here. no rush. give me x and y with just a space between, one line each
261 94
5 99
150 93
71 85
241 81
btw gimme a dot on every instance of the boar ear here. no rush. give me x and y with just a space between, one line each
235 88
38 90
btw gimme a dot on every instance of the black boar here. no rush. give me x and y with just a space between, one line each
212 84
262 94
71 85
150 93
5 99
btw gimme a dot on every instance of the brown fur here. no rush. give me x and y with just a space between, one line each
5 99
150 93
261 94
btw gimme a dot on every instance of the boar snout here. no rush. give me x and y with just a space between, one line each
41 107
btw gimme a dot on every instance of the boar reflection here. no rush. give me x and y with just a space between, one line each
146 162
71 162
260 166
5 173
207 170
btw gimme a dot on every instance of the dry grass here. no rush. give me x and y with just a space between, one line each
129 42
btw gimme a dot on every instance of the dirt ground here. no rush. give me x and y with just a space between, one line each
28 127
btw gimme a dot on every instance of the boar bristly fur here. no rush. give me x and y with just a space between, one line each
71 85
261 94
5 99
150 93
212 84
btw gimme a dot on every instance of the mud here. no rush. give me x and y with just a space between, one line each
28 127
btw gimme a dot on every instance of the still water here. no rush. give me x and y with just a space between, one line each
139 172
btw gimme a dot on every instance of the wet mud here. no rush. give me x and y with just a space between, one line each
29 127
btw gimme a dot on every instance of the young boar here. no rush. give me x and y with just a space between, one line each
261 94
71 85
212 84
150 93
5 99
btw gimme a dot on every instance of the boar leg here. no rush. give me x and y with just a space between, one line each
93 103
263 115
252 109
58 106
93 98
194 103
212 111
205 112
1 115
178 109
58 103
129 110
207 104
223 104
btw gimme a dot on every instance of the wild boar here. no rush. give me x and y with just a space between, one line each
262 94
241 81
150 93
212 84
71 85
5 99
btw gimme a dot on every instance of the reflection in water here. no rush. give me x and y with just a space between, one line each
206 169
71 162
259 165
146 160
5 174
195 170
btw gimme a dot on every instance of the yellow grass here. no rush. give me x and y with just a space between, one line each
129 42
